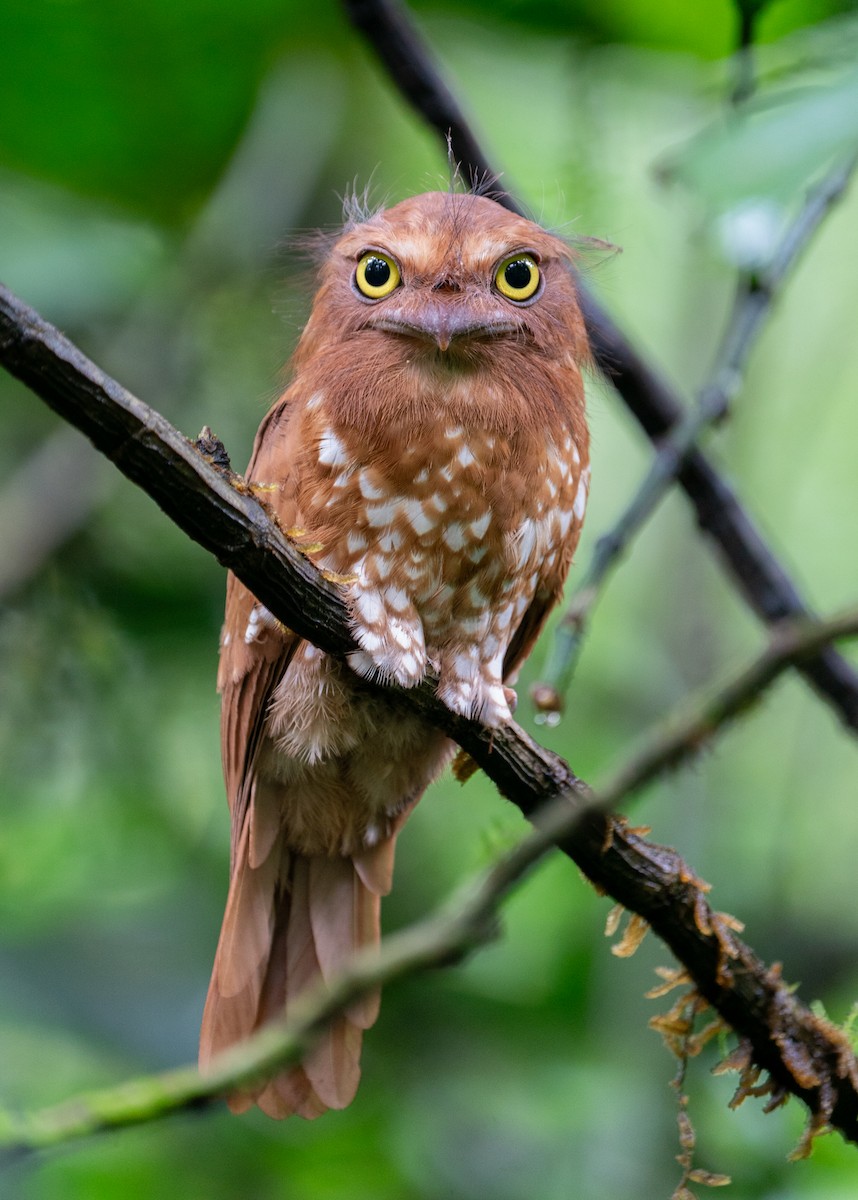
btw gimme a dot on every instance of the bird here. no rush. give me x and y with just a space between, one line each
430 453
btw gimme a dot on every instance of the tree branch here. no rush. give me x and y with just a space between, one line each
753 304
387 29
467 920
744 83
686 731
804 1055
756 572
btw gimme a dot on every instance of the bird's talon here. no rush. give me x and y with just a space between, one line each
295 533
342 580
248 487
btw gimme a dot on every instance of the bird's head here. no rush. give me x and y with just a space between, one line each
447 280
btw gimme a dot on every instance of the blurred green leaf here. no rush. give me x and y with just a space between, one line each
773 151
139 103
70 256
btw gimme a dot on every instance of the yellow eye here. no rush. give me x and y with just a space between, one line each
517 277
377 275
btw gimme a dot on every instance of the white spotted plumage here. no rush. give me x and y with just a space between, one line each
332 451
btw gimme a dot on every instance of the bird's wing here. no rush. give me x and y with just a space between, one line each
548 592
255 649
528 631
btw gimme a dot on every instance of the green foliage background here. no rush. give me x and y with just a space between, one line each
154 156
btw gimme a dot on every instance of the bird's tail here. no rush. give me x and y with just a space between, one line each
290 921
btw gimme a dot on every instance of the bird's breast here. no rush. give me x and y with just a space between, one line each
445 519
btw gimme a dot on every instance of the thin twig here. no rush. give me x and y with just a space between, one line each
692 726
753 304
753 567
804 1055
745 82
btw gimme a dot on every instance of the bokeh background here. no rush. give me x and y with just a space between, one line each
155 158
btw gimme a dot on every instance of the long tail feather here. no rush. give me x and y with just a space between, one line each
242 956
291 921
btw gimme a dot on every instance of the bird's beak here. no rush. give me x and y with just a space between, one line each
440 322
